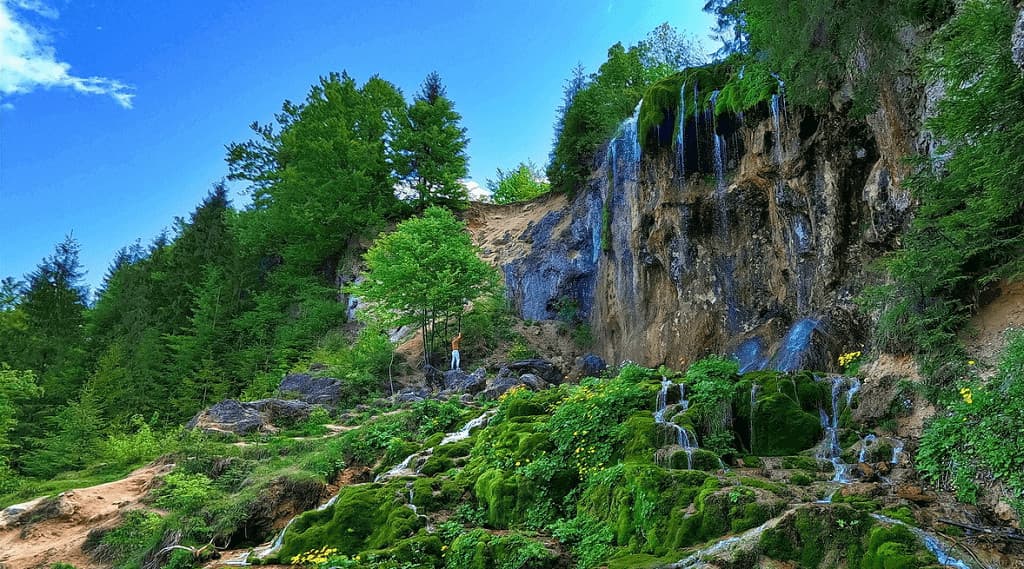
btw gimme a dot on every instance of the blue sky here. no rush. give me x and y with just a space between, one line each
117 117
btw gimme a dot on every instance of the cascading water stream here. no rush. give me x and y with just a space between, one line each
683 438
401 469
792 354
863 454
897 450
698 558
942 551
829 448
753 401
681 135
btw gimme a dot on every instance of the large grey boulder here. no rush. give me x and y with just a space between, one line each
243 418
305 387
411 395
543 369
507 379
458 381
590 365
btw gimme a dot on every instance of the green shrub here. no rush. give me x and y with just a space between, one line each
523 183
977 436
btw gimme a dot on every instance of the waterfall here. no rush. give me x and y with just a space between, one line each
681 135
463 433
411 499
777 124
753 401
829 448
897 450
720 156
696 122
749 537
404 468
683 438
932 543
793 352
863 455
275 546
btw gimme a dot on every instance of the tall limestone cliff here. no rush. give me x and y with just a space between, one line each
749 234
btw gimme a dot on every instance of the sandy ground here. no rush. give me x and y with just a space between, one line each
60 538
985 337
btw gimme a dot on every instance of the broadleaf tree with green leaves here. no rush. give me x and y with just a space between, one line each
424 273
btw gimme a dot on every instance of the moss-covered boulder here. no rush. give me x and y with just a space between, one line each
366 516
480 549
506 497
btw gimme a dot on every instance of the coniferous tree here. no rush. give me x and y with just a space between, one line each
54 307
431 147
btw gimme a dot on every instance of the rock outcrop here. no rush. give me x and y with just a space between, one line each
311 389
243 418
726 241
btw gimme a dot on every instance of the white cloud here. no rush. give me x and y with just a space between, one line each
28 60
6 107
477 193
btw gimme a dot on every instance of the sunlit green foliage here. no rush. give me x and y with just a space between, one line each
523 183
978 436
609 96
424 273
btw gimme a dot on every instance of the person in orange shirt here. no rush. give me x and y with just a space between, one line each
456 360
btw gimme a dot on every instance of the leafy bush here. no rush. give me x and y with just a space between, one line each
130 448
603 100
978 435
523 183
710 383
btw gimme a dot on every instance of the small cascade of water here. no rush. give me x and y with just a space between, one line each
411 501
863 454
405 468
683 438
774 105
275 546
897 450
463 433
696 121
753 401
942 551
829 448
681 135
719 150
791 354
698 558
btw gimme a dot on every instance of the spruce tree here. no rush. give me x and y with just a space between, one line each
431 157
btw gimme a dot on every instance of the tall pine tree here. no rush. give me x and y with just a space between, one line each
432 148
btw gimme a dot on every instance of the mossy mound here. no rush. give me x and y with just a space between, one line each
480 549
505 496
825 536
366 516
785 413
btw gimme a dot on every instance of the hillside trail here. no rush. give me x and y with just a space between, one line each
65 521
985 337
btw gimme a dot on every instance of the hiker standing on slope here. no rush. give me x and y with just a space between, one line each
456 360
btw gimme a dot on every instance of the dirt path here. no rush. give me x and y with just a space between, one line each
68 519
986 334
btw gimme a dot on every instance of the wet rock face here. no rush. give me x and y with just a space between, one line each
670 260
561 262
